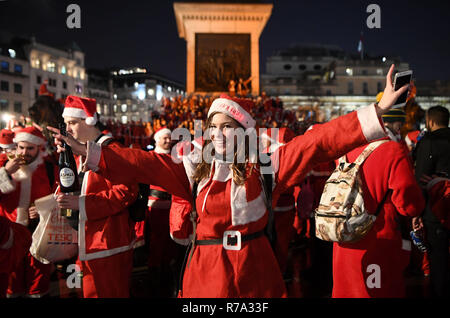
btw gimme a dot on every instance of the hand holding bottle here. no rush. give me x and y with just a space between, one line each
78 148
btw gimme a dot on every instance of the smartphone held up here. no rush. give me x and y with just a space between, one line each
401 79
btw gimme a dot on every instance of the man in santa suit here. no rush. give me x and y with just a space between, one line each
373 266
23 180
105 230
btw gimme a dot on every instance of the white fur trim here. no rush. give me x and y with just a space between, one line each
7 146
74 112
243 212
232 109
370 123
94 153
23 136
160 150
6 184
162 132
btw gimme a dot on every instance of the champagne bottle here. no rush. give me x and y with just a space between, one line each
68 176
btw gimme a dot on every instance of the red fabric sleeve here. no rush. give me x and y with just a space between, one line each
134 165
324 143
109 202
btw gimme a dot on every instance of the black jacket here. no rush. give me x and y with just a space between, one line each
432 154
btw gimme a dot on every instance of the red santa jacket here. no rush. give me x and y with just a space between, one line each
105 227
29 183
252 270
382 251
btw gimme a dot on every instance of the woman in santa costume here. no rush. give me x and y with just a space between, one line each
105 230
231 256
23 180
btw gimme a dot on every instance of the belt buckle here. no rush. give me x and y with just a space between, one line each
227 245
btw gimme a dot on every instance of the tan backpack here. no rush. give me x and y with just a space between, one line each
341 215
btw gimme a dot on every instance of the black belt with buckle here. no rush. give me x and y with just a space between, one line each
230 240
160 194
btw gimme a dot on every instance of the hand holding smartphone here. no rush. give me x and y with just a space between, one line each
401 79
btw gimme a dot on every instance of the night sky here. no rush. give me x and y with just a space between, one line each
144 33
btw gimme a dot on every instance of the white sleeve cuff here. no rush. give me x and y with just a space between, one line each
94 153
370 123
6 184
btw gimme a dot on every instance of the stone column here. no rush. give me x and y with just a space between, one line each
221 18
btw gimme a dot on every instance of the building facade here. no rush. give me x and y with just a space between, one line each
63 69
138 92
14 81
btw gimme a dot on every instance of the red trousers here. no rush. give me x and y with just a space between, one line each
107 277
30 277
285 233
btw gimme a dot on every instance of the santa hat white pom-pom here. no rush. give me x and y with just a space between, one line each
91 121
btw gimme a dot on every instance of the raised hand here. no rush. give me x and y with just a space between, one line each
78 148
390 95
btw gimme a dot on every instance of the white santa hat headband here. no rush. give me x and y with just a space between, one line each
161 132
80 107
31 135
238 109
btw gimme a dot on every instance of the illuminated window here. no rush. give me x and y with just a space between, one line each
51 67
349 71
123 108
12 53
63 70
124 119
37 63
379 71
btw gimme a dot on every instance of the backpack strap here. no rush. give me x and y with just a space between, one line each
267 182
380 206
367 151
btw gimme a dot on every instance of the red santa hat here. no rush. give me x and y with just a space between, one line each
6 139
161 132
237 108
31 135
43 91
81 107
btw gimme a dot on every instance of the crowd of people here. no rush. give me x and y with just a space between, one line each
224 228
